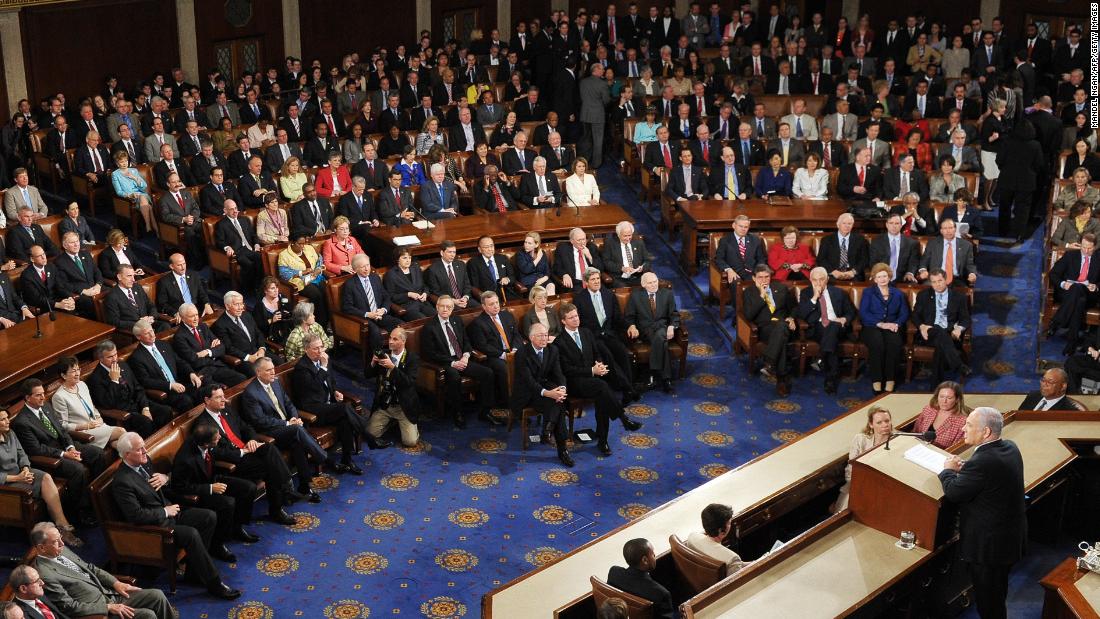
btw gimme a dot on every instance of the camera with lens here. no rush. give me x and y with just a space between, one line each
381 352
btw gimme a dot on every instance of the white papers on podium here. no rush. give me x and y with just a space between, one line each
926 457
408 239
422 224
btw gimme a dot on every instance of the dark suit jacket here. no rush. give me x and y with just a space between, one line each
187 348
435 277
1031 402
556 162
828 253
20 241
137 500
234 340
926 213
34 438
756 153
908 254
529 188
486 200
257 410
316 154
301 134
613 258
353 299
433 342
756 310
614 324
838 155
531 376
511 165
302 221
891 183
728 255
458 136
403 379
641 584
109 263
525 112
225 450
347 206
1068 267
989 491
11 306
718 180
72 280
389 208
810 311
375 180
565 260
148 372
127 394
237 164
226 235
170 297
964 257
118 311
677 188
201 168
213 203
849 178
485 338
639 314
654 158
481 278
924 310
82 162
187 144
577 363
273 156
37 293
161 173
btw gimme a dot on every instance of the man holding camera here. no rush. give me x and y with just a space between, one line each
395 398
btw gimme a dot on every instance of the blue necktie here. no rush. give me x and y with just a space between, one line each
442 204
185 290
163 365
492 269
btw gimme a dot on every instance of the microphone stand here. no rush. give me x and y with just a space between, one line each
416 211
927 436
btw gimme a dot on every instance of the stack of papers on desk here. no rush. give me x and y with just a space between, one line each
926 457
408 239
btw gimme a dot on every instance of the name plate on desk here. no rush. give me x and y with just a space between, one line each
406 240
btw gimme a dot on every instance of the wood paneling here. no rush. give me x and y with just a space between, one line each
486 15
526 10
69 47
212 27
369 24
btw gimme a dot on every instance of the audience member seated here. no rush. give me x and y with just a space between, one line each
74 406
493 333
829 313
405 284
304 323
73 221
178 208
903 179
78 275
481 157
395 397
860 180
771 307
844 254
572 259
195 344
717 525
811 181
117 253
364 295
29 593
26 233
492 271
181 286
1080 156
255 184
774 179
114 385
303 268
493 193
292 179
439 197
157 367
791 259
138 493
1078 190
879 427
580 187
127 303
438 154
636 580
651 314
941 315
730 180
444 342
898 251
943 185
883 312
624 256
41 284
540 384
541 312
271 223
311 216
23 194
333 181
963 211
216 191
966 158
340 248
916 217
739 252
1052 393
169 165
946 414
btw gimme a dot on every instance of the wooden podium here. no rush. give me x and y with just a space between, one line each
892 494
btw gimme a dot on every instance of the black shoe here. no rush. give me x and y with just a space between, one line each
378 443
281 517
337 467
352 468
222 591
293 496
245 536
221 553
604 448
629 424
487 417
565 458
460 421
310 495
666 385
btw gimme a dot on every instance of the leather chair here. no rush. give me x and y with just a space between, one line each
638 608
127 210
699 570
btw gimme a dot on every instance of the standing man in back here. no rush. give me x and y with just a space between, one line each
595 97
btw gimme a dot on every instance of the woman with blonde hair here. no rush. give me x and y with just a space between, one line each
291 179
879 427
129 184
883 311
340 248
429 135
541 312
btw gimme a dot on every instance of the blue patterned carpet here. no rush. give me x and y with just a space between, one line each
426 532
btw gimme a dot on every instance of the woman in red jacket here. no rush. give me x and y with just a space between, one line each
790 259
915 145
333 181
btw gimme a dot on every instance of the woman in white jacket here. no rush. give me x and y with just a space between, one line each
811 181
580 187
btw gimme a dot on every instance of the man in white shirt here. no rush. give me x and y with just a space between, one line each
717 524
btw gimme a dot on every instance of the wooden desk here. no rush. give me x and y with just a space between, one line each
505 228
705 216
1071 593
754 490
22 356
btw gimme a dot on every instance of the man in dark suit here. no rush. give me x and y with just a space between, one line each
239 334
320 146
738 253
311 216
12 308
439 196
238 160
651 314
252 111
540 384
202 170
395 396
395 203
230 497
624 256
30 593
494 334
314 389
771 306
448 276
168 165
190 140
26 233
156 366
600 313
904 178
236 236
829 312
57 143
129 145
393 114
661 155
989 490
254 460
424 111
748 151
530 108
181 286
557 157
41 433
139 495
371 168
635 578
93 162
916 217
126 303
837 153
952 254
213 195
492 271
364 296
179 208
518 159
196 345
357 205
539 189
859 180
493 193
899 251
283 149
1074 279
987 58
941 314
465 134
572 259
844 253
443 342
296 127
79 277
686 181
114 385
729 180
1053 388
41 287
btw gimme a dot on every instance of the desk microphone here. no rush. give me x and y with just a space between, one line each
565 192
927 436
416 211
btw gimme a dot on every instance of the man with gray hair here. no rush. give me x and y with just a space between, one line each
624 256
240 335
29 595
595 97
157 367
197 345
114 385
438 197
989 490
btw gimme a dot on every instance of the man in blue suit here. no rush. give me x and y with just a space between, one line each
438 199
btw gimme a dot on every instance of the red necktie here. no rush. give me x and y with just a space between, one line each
825 151
862 176
454 282
198 337
331 126
179 199
42 274
668 156
815 83
741 248
501 206
580 261
40 607
1084 275
909 227
706 152
209 465
225 112
699 104
229 433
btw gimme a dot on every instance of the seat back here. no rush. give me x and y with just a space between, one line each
698 569
637 607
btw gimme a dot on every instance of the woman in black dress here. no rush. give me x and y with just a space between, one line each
405 283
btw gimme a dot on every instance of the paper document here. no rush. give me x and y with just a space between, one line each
926 457
422 224
408 239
